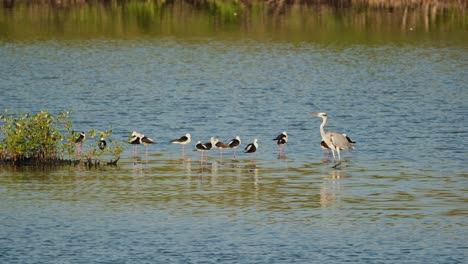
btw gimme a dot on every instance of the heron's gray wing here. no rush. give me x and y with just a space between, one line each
340 141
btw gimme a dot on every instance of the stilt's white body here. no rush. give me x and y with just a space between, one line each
184 140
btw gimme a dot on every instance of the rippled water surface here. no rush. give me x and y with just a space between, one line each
400 196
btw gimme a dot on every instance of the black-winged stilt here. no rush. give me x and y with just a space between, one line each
146 141
252 147
220 146
202 148
234 143
281 140
325 147
138 138
183 140
210 145
135 140
79 142
102 143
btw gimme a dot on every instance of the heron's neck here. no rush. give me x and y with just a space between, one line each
322 131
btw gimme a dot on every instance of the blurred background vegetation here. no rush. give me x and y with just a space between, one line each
283 19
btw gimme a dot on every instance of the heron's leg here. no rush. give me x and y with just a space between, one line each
333 152
339 155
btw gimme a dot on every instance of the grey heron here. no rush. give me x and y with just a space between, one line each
325 147
334 140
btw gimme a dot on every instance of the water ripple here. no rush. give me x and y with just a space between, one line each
401 188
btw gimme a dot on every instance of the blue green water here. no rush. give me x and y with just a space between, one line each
400 196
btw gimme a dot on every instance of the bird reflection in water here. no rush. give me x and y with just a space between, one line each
331 188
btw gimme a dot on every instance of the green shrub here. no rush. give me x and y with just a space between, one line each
28 136
91 152
43 137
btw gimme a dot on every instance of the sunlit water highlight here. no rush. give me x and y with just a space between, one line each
399 197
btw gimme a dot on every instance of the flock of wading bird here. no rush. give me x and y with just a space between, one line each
331 140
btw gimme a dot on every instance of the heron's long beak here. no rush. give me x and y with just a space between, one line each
313 113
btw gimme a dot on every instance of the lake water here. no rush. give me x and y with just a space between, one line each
399 197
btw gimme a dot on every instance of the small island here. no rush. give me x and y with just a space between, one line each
46 139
